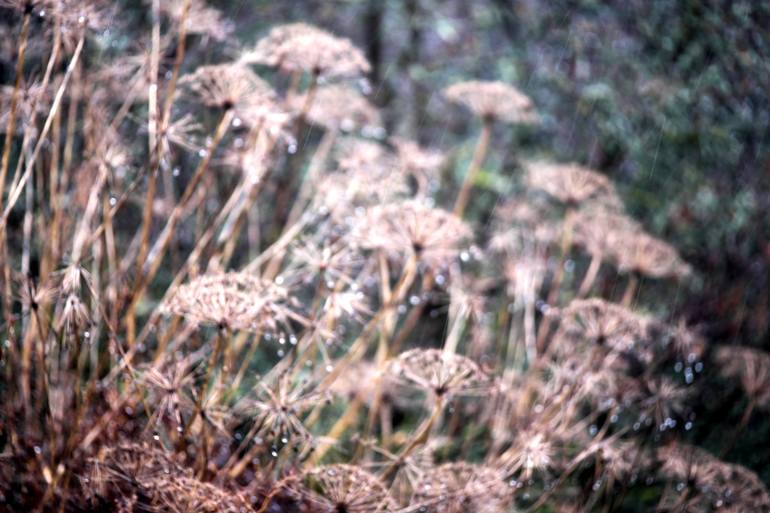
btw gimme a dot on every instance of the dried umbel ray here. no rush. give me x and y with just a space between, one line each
327 259
341 489
572 184
646 255
711 484
402 229
235 87
462 488
337 107
302 47
238 301
277 408
531 452
439 373
493 101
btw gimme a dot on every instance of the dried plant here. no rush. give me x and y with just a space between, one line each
495 100
237 301
572 184
412 228
302 47
227 289
337 488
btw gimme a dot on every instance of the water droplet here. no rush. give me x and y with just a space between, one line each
175 171
202 152
113 201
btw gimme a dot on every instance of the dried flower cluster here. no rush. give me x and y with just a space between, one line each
493 100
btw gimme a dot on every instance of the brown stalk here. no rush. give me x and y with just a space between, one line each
11 125
590 277
632 288
479 154
153 141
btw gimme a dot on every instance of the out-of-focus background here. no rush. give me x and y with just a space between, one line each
668 98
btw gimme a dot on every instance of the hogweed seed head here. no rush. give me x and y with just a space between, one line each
237 301
301 47
439 373
493 101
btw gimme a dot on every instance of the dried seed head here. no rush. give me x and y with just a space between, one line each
605 324
337 107
644 254
714 485
238 301
493 100
201 19
602 232
434 236
277 407
235 87
462 488
342 489
440 373
302 47
572 184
